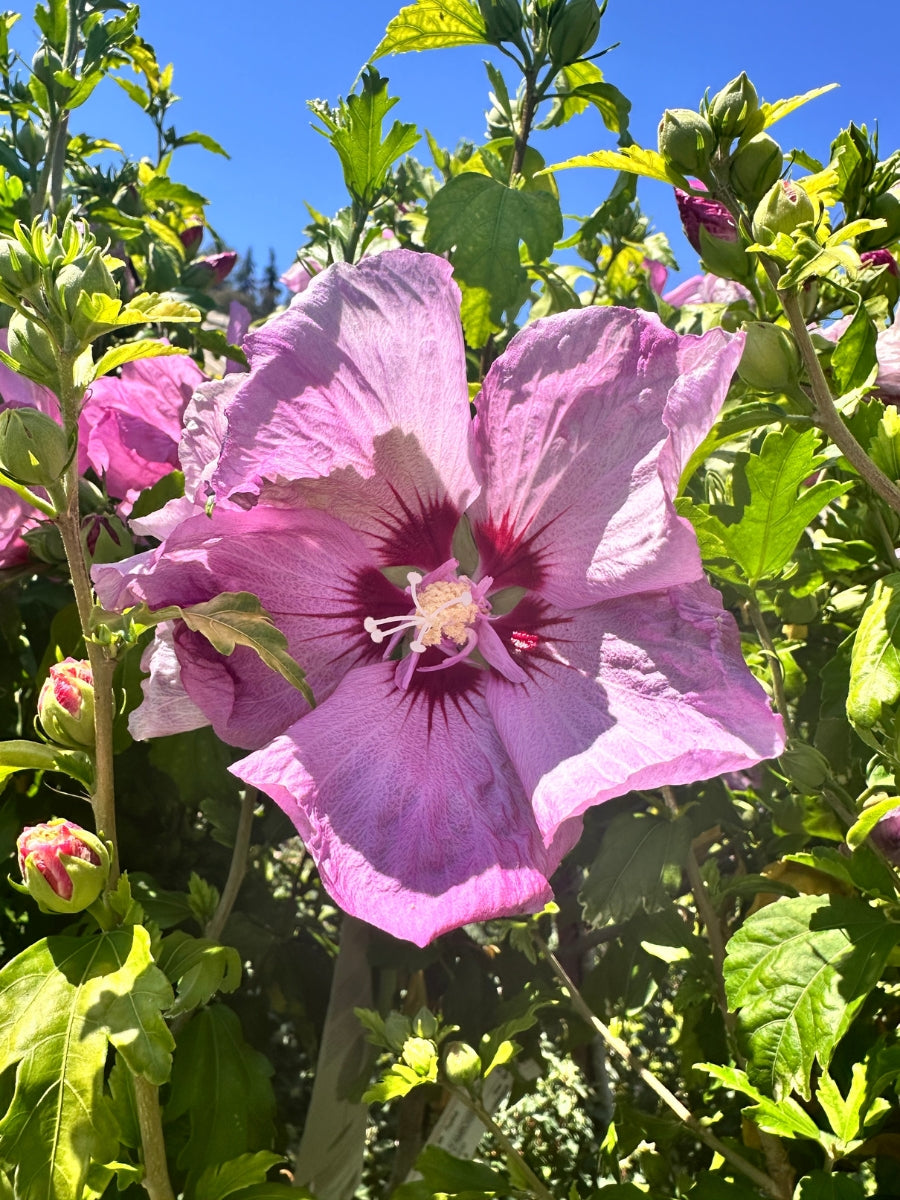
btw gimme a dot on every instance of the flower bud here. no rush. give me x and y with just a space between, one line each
34 449
885 836
503 20
876 259
18 270
887 208
34 351
686 141
206 272
756 167
784 208
191 239
88 275
698 212
730 110
30 143
105 538
770 361
66 704
64 867
573 31
461 1063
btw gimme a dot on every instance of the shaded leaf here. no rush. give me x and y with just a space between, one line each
242 1172
853 362
639 855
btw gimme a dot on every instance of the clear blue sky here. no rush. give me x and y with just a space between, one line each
244 72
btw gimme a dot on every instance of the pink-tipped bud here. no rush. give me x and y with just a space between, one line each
191 239
879 258
886 836
66 704
698 212
299 274
64 867
222 264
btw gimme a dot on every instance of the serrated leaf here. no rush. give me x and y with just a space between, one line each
236 619
131 352
633 159
781 108
796 973
762 539
853 362
875 658
638 853
221 1085
22 755
224 1179
482 221
431 25
365 156
784 1118
199 968
61 1002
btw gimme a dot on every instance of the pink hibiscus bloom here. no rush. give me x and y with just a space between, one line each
504 621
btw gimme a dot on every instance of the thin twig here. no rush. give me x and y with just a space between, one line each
753 611
238 868
535 1185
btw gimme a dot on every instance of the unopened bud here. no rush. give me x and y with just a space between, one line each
206 272
66 704
876 260
461 1063
503 20
756 167
885 207
703 212
686 141
18 270
784 208
731 109
191 239
770 361
34 351
34 449
30 143
88 275
64 867
886 836
573 31
105 538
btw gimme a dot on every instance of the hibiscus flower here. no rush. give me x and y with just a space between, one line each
504 621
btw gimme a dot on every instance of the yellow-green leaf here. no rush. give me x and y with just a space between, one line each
431 25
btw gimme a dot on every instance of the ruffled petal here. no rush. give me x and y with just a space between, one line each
167 708
409 804
312 574
362 380
582 424
633 693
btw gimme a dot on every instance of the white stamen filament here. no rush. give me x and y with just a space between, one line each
428 624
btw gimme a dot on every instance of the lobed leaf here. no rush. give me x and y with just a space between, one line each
431 25
633 159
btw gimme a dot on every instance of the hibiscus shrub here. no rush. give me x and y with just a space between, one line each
482 672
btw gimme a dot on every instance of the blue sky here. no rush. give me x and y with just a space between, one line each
244 73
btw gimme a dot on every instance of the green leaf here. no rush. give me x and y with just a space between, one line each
22 755
581 84
221 1085
222 1180
131 352
761 537
797 972
875 658
199 968
784 1118
781 108
444 1172
639 855
61 1002
103 314
822 1185
433 24
868 819
853 362
236 619
633 159
482 221
201 139
356 135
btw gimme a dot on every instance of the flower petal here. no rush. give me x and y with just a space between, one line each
573 437
361 380
630 694
167 708
409 804
312 574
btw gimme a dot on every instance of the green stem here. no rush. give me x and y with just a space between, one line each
360 213
535 1186
754 612
238 867
526 117
684 1114
156 1170
827 415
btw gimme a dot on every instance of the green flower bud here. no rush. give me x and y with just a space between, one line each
503 20
770 361
45 543
724 257
805 767
686 141
64 867
34 449
88 275
66 704
731 109
756 167
573 31
461 1063
18 270
887 208
34 350
30 143
784 208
